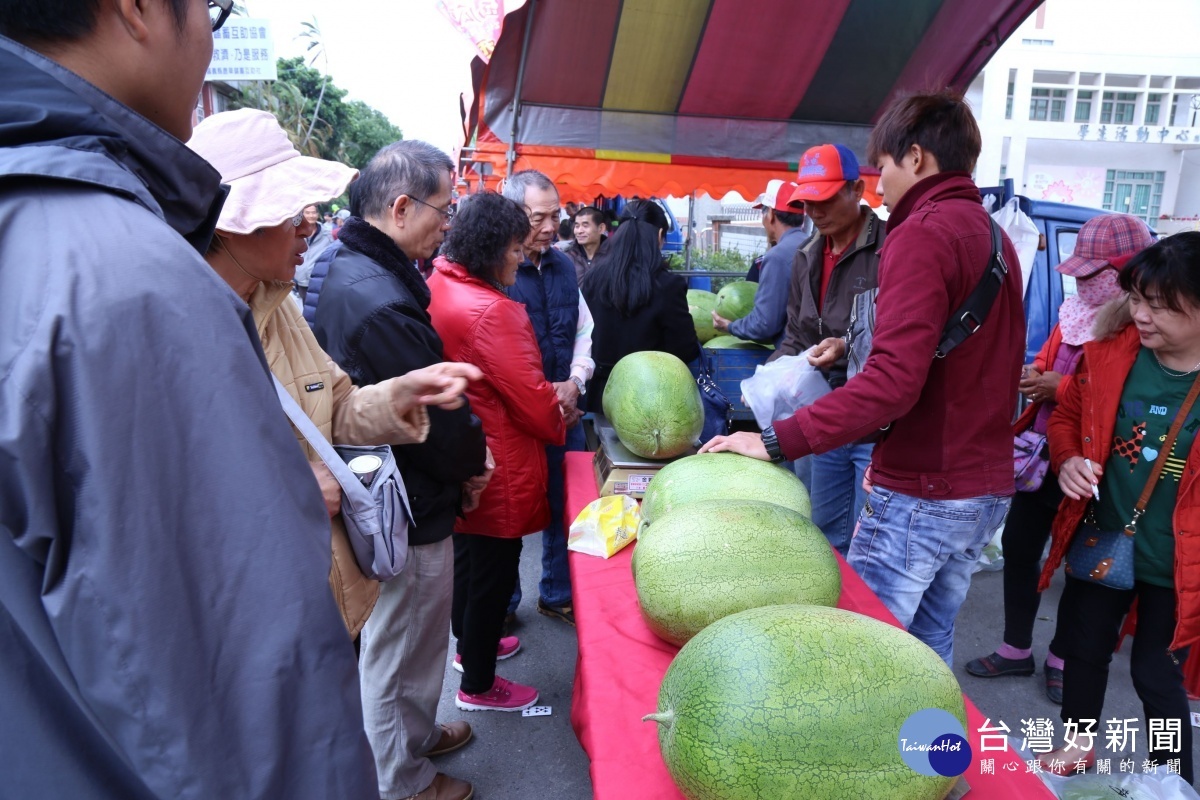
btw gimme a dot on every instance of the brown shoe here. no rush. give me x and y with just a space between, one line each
445 788
454 736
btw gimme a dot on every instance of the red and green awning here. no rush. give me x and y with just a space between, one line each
715 94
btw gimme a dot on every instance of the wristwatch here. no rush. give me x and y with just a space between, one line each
580 384
771 442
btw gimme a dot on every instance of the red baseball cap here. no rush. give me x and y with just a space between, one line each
777 196
824 170
1108 240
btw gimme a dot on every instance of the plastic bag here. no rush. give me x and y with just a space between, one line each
780 387
1023 233
605 526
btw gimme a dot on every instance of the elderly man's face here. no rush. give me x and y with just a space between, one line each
542 207
837 214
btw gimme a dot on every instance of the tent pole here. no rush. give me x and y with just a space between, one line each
687 242
511 156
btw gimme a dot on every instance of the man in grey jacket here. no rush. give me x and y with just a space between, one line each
166 624
787 231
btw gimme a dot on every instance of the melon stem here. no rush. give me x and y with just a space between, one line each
661 717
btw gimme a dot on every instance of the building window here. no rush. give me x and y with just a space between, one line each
1083 105
1038 42
1012 88
1048 104
1116 108
1136 193
1153 108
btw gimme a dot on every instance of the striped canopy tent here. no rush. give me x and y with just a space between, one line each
657 97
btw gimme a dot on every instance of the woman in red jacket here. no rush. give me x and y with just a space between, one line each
479 324
1105 437
1105 244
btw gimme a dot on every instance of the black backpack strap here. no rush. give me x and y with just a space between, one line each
969 317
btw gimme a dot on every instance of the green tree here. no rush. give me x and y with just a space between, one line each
317 118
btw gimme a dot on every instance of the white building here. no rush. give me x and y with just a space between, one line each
1097 103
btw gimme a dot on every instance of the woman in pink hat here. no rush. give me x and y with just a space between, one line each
260 240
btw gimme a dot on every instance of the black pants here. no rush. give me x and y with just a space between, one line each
1024 538
485 568
1092 617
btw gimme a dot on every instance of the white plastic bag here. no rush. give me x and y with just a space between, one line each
1023 233
778 388
605 526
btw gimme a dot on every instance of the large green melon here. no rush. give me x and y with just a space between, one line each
705 561
800 702
736 300
728 342
701 304
722 476
653 403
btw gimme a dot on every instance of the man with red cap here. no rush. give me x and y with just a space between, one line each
786 234
941 478
840 263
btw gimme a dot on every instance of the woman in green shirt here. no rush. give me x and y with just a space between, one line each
1106 436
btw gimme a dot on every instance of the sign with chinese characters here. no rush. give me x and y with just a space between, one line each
1118 743
1081 186
243 50
1142 134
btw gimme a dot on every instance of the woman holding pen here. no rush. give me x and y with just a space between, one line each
1124 432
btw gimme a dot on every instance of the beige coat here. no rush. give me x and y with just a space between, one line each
344 413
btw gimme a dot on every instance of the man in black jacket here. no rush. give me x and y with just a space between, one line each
372 320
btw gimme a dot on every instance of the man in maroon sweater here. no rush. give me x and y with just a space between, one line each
941 478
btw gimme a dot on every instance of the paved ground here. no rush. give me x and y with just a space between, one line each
538 758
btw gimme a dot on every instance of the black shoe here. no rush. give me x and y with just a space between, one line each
1054 684
995 666
564 613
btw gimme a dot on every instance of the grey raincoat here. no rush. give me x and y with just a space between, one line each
166 625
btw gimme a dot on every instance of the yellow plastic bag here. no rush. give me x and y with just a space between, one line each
605 526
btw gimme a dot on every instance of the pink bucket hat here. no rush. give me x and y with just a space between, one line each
269 181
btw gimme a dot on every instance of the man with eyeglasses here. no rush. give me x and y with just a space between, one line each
547 286
166 625
370 317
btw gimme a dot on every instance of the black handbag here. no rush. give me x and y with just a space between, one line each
1104 556
717 407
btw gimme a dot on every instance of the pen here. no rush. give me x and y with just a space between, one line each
1095 488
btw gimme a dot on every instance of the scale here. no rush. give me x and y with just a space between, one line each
619 471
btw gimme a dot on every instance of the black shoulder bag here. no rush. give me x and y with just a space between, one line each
969 317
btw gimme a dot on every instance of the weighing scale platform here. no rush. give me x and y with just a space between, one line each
619 471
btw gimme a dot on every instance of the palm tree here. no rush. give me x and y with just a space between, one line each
316 47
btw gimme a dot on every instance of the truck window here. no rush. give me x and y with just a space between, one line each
1066 246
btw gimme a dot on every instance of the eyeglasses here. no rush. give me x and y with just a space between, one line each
447 213
218 12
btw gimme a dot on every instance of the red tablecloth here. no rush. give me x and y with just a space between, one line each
621 664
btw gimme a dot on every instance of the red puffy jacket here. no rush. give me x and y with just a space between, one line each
1083 425
478 324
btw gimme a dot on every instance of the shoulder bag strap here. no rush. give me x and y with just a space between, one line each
319 443
969 317
1165 450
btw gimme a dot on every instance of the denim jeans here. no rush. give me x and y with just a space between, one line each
917 555
555 585
803 469
837 493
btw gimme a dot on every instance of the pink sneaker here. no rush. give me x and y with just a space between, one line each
508 647
503 696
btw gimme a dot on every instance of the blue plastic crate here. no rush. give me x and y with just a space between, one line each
732 366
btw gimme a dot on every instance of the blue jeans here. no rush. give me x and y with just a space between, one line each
803 469
837 493
555 585
917 555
